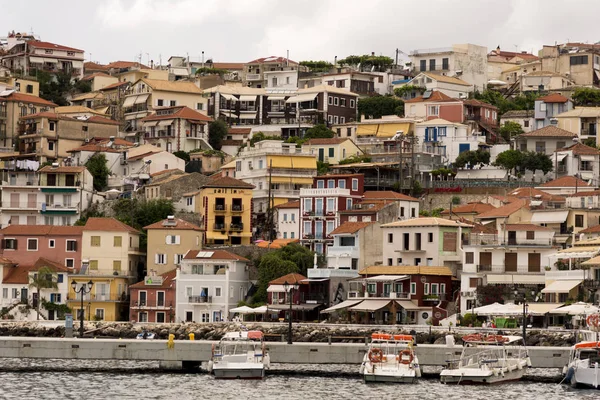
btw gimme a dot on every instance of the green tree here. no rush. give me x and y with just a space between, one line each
317 66
510 129
217 131
533 161
260 136
185 156
322 168
83 86
472 158
355 159
378 106
521 102
211 71
368 62
55 87
43 279
403 91
97 167
586 97
509 160
140 213
319 131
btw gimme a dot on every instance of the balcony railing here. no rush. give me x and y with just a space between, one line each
150 303
218 227
236 227
220 208
200 299
499 268
237 208
253 77
385 295
112 296
494 240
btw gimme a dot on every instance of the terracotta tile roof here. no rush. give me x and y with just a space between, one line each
478 103
76 109
4 260
180 224
585 194
566 181
317 142
503 211
114 85
425 221
290 278
387 195
125 64
435 96
27 98
581 149
527 227
172 86
53 265
591 229
350 227
214 255
92 76
51 46
227 182
178 112
167 283
290 204
405 270
228 142
42 230
470 208
95 148
96 119
92 66
64 170
107 225
548 131
230 66
530 193
447 79
553 98
271 59
518 114
167 171
511 54
276 244
140 156
239 131
20 274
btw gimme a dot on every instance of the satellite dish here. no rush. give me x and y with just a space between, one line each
423 279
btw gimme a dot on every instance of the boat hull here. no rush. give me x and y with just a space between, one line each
389 378
465 377
239 372
586 377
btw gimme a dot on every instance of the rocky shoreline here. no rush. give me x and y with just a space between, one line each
301 332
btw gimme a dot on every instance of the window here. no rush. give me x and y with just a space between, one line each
29 88
399 261
160 102
390 262
433 110
330 205
330 119
189 201
307 228
330 227
51 243
331 184
578 60
330 100
32 244
173 103
292 235
542 106
578 221
390 238
348 204
285 235
70 262
348 132
526 123
320 184
442 131
430 237
445 64
342 102
94 265
432 64
423 65
331 152
143 317
95 241
284 217
351 103
173 239
51 146
293 217
426 288
55 298
342 184
413 288
469 257
117 241
354 184
160 259
336 101
177 258
5 293
308 205
474 282
530 235
218 292
116 265
71 245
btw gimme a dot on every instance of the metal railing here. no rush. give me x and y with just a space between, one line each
148 304
220 207
236 227
218 227
237 208
502 268
200 299
494 240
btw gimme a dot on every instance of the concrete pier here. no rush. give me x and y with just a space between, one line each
187 353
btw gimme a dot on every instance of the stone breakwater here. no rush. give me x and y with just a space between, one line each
301 332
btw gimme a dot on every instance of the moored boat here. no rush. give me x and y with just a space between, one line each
487 359
240 355
390 358
583 368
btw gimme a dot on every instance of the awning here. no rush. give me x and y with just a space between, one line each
129 101
141 98
517 279
409 305
389 130
561 286
541 308
51 60
165 122
36 60
386 278
549 217
229 114
561 156
592 261
228 97
296 307
578 252
295 180
302 98
292 162
276 289
246 97
341 306
273 97
370 305
314 280
587 158
367 130
77 64
151 123
248 116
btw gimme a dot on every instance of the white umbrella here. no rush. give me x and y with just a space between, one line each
580 308
260 310
242 310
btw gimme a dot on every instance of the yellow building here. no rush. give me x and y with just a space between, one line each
14 106
168 241
111 258
225 205
332 151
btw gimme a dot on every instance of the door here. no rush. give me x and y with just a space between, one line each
512 237
189 316
51 315
14 200
31 200
34 300
142 298
321 155
464 147
24 295
485 261
510 262
160 299
534 262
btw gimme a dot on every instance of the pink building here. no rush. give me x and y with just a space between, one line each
25 244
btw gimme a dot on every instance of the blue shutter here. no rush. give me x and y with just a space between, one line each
463 147
427 134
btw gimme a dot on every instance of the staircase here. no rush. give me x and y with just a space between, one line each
6 310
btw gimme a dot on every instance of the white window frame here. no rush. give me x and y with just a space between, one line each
67 262
336 101
437 288
330 226
354 184
218 291
425 289
352 102
330 100
442 288
36 244
413 288
67 245
332 200
52 243
96 314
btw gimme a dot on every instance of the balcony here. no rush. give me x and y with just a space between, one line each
148 304
59 208
380 295
237 208
501 269
494 240
199 299
108 297
220 208
473 117
236 227
253 77
324 192
591 283
218 227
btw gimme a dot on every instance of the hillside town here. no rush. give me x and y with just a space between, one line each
369 189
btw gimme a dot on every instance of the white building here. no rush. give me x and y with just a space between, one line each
209 284
288 220
465 61
356 245
424 241
517 255
578 160
446 138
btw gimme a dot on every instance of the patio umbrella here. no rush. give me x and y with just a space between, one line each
260 310
579 308
242 310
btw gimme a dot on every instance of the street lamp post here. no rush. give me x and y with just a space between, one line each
525 305
290 288
83 289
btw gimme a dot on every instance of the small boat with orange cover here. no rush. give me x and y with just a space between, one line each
583 368
390 358
240 355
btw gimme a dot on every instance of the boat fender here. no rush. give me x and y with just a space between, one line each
267 361
528 362
362 368
418 371
209 367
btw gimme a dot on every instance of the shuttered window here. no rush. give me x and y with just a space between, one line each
95 241
94 265
117 241
449 241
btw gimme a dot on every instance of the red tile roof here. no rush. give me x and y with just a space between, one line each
49 115
92 76
20 274
553 98
350 227
239 131
51 46
533 193
96 119
227 182
167 283
470 208
114 85
178 112
591 229
527 227
503 211
42 230
214 255
65 170
584 194
271 59
92 66
290 204
478 103
290 278
510 54
179 224
107 225
27 98
276 244
435 96
566 181
167 171
228 65
387 195
125 64
549 131
581 149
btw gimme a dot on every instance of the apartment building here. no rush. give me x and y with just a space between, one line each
153 299
579 62
30 56
272 72
288 220
447 139
13 106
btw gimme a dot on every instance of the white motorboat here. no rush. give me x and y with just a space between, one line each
391 358
240 355
583 368
146 335
487 359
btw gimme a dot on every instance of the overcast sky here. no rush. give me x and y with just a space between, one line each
242 30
